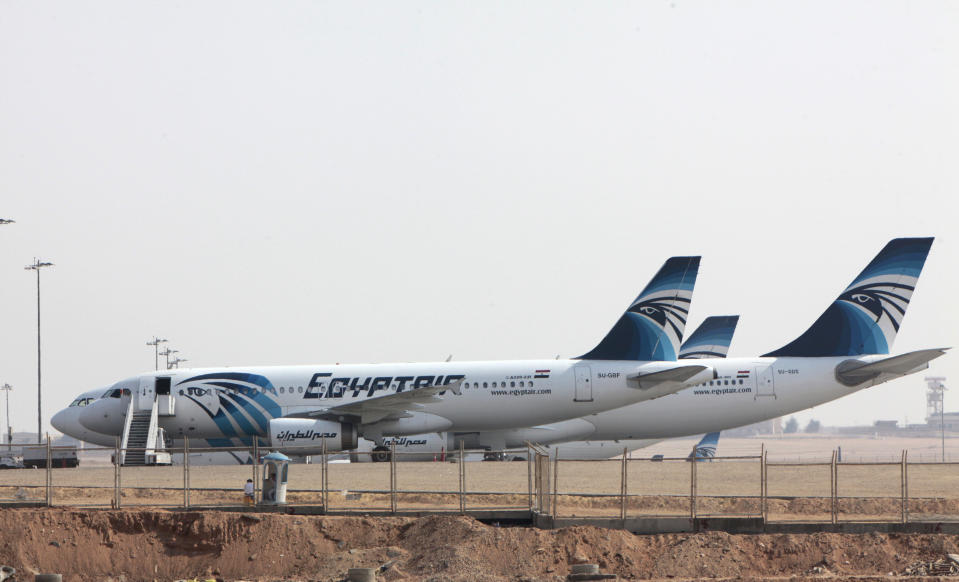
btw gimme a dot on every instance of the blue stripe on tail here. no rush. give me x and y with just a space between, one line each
711 339
652 328
865 318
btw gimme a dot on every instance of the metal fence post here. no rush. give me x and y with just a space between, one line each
834 488
529 475
622 486
255 461
393 476
186 471
325 478
544 488
762 482
692 486
116 476
49 492
904 472
462 477
556 483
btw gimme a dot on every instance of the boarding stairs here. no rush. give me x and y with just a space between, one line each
143 441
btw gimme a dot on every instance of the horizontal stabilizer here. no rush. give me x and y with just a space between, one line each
669 381
855 372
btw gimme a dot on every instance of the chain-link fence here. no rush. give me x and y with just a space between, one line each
521 480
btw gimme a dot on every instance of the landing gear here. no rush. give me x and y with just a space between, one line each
380 455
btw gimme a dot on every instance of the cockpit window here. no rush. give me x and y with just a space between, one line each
82 401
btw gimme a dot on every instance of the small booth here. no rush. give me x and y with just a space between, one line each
275 472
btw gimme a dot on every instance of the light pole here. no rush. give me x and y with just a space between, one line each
176 362
167 353
36 266
7 388
155 342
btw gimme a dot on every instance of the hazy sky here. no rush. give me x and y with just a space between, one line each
315 182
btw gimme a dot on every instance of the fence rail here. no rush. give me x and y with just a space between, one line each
623 487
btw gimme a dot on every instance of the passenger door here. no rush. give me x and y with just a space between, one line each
147 393
765 382
584 384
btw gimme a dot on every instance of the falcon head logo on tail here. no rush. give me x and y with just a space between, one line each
652 327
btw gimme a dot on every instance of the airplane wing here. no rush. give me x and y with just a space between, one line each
855 372
377 408
657 383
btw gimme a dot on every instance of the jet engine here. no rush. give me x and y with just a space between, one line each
305 436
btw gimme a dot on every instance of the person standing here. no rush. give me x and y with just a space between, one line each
248 492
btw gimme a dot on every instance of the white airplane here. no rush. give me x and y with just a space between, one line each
303 406
711 339
844 351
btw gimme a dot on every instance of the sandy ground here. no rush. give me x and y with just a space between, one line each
140 543
145 545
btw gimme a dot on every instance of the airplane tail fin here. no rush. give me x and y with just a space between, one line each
865 318
711 339
706 447
652 327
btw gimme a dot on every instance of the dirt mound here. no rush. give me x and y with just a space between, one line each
161 545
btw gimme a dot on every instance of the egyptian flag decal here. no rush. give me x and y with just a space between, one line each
542 374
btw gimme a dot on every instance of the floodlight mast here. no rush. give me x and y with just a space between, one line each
936 398
36 266
167 353
155 342
7 388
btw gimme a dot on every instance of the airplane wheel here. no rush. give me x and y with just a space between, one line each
381 455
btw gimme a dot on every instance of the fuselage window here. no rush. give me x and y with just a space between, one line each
484 385
530 383
512 384
726 382
300 389
282 389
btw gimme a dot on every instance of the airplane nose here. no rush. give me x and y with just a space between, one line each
104 416
60 421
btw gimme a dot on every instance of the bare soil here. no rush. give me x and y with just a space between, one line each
88 545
